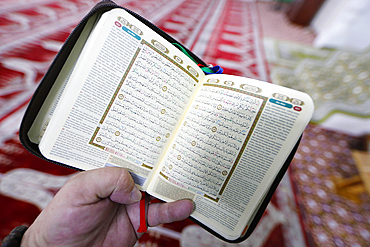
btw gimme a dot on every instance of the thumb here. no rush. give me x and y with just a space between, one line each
108 182
159 213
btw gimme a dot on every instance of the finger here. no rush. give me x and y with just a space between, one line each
94 185
159 213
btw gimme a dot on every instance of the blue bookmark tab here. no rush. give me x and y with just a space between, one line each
207 70
213 70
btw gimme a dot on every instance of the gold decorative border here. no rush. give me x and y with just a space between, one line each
146 166
113 98
169 59
143 42
93 137
120 85
265 99
166 177
158 45
211 198
248 136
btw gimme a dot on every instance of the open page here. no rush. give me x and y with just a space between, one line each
47 110
230 146
124 99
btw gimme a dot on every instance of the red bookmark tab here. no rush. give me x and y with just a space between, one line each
143 209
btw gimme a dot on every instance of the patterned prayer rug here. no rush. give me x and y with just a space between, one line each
329 219
223 32
338 81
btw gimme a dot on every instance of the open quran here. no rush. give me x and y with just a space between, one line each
127 97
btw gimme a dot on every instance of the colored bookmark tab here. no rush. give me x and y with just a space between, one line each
143 213
207 70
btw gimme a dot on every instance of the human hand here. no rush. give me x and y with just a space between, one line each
99 207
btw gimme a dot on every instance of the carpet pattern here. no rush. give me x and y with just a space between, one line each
223 32
330 220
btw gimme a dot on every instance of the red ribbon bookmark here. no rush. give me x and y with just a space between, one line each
143 214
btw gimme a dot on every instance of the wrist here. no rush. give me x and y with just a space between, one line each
30 238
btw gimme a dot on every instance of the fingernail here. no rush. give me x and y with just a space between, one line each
191 202
135 194
193 206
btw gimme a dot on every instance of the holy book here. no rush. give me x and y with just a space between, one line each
127 97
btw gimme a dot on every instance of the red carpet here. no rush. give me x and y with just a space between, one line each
223 32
